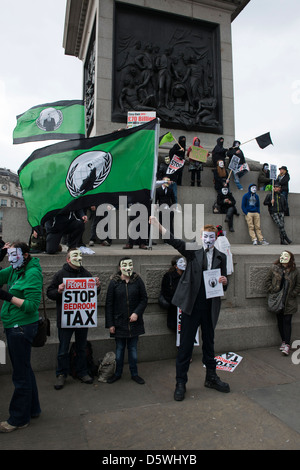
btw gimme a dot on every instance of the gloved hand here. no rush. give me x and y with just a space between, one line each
4 295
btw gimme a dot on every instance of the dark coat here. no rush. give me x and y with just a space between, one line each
219 153
280 204
284 182
163 197
224 206
190 281
274 283
123 299
66 272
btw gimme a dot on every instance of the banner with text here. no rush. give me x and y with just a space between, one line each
79 303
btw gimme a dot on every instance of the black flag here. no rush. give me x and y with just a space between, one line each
264 140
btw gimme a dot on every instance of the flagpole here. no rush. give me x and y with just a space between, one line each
153 191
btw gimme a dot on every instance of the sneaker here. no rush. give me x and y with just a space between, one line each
282 346
286 350
264 242
60 382
138 379
91 243
6 427
254 242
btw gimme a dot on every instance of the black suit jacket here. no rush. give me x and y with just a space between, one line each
190 281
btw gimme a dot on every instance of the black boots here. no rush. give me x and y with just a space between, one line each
179 392
213 381
284 240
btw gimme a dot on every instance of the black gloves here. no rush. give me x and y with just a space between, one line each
5 295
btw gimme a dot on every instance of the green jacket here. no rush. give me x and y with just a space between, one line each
27 284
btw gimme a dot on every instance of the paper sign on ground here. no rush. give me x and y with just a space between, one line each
228 361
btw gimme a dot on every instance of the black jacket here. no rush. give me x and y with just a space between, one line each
218 153
280 204
190 281
165 197
284 182
123 299
224 206
66 272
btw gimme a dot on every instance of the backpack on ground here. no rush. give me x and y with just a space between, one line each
91 366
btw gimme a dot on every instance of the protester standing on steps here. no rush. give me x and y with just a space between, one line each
283 179
20 317
284 274
71 269
251 209
236 151
126 301
277 206
190 297
169 285
264 177
195 167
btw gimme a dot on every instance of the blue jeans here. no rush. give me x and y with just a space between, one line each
132 355
25 400
63 360
237 176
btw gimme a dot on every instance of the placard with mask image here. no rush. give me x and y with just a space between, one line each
213 288
79 303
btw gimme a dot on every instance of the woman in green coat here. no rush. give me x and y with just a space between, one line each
20 315
284 273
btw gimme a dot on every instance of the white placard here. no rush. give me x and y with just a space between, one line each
79 303
273 172
213 288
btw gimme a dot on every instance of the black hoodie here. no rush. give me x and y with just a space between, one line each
219 153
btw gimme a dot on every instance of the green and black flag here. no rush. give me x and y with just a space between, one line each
80 173
61 120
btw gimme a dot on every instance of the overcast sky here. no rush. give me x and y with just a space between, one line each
266 54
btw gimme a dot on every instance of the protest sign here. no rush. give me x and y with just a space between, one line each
136 118
234 164
273 172
228 361
174 165
198 153
213 288
79 303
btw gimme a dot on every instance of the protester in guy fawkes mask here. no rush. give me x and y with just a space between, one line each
284 274
20 317
190 297
71 269
126 300
226 204
251 209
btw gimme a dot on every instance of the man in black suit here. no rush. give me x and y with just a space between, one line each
165 198
190 297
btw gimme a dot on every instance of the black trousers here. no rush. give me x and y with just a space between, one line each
284 323
74 228
201 316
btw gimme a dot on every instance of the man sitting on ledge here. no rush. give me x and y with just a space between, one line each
190 297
